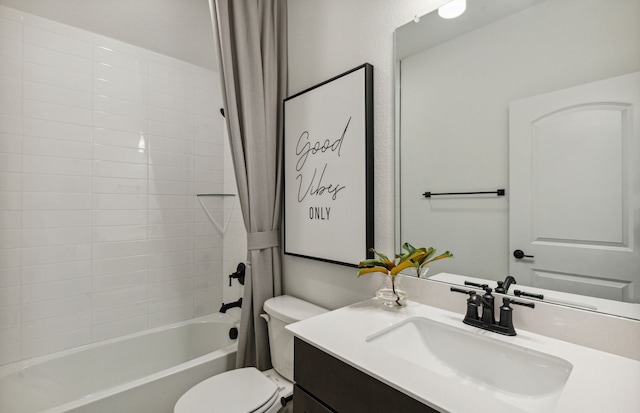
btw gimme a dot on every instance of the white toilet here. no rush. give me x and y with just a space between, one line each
249 390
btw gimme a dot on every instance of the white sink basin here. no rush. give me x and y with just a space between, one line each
528 379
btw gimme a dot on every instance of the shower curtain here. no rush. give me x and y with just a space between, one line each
252 51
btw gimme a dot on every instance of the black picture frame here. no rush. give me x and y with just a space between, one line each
328 169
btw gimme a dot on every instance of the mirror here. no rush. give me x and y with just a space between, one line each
456 80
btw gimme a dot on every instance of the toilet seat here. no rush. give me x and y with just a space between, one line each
243 390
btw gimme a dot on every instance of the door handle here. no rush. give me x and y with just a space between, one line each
519 254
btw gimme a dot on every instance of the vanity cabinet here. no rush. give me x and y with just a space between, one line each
325 384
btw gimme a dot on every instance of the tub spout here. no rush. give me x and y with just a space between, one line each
227 306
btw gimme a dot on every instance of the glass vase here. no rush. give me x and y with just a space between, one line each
392 294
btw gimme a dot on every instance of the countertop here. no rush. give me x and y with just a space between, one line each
599 381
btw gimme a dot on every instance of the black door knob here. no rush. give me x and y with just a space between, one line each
519 254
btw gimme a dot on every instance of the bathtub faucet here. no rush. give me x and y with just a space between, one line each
227 306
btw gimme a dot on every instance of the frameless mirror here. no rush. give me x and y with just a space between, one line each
539 98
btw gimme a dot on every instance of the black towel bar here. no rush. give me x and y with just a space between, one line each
499 192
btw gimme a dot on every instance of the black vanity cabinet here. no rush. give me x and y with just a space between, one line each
325 384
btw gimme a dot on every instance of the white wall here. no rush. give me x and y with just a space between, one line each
327 38
103 147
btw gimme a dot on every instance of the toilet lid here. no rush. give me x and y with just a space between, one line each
243 390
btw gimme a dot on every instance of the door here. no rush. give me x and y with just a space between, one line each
574 168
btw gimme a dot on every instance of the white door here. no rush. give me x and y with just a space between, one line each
574 171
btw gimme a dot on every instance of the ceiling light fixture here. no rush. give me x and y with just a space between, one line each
452 9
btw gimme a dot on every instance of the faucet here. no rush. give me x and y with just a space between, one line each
227 306
488 317
503 286
487 321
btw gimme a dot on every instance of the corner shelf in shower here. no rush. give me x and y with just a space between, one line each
222 229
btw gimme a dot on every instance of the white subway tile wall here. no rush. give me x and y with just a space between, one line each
103 147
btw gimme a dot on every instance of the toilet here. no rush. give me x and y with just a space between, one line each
248 390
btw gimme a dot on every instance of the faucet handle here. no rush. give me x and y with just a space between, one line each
530 305
519 293
473 297
506 317
473 302
488 316
505 326
460 290
476 284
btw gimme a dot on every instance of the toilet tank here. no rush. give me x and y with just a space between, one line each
283 310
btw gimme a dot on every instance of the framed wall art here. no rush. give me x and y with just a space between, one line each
328 169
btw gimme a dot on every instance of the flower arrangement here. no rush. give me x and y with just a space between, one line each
417 258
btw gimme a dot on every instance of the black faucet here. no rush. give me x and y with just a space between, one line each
488 317
487 321
503 286
227 306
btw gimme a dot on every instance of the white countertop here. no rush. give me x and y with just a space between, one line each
599 381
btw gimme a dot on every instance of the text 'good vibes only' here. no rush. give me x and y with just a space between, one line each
311 181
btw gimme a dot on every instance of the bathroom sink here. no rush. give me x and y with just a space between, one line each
528 379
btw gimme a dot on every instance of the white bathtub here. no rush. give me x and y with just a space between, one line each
140 373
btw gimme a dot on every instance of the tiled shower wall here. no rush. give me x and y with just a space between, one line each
103 147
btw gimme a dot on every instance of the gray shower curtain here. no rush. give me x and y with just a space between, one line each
252 40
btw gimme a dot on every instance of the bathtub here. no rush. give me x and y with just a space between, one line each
144 372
